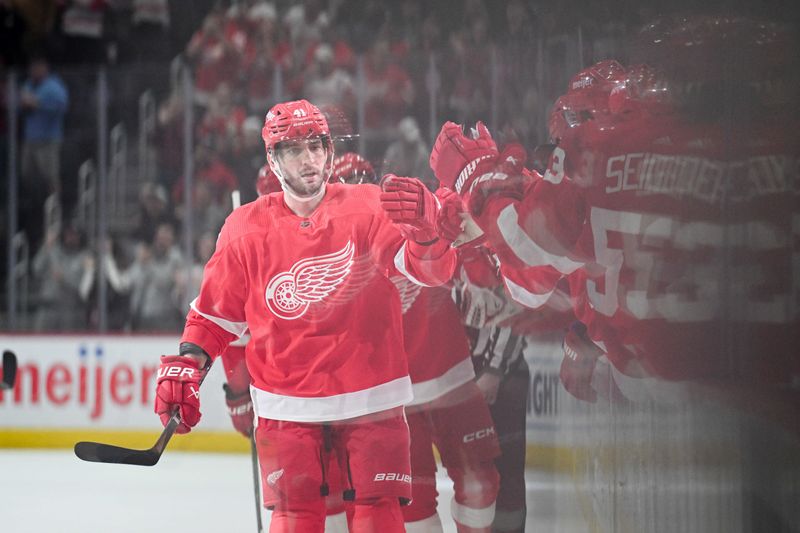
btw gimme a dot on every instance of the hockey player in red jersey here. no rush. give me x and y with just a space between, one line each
239 401
630 209
289 267
499 330
448 411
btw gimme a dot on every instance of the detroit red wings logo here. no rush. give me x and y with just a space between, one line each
311 280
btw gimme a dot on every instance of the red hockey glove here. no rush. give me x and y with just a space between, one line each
449 219
580 359
457 160
240 408
178 385
410 205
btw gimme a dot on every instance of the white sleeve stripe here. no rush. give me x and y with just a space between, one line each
237 328
400 265
526 297
525 248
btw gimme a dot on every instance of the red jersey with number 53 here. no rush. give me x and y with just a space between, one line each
324 319
675 234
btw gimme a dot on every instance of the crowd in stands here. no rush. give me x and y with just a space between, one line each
359 59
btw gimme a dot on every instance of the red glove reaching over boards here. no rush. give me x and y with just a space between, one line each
178 386
472 166
454 224
410 205
580 359
458 160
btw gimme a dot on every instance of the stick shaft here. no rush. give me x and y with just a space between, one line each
256 481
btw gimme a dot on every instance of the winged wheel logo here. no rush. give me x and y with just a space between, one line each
289 294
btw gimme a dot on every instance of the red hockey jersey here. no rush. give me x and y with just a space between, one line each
434 339
673 237
315 294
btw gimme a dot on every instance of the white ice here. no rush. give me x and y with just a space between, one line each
54 492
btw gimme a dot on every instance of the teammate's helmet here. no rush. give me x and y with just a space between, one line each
562 118
645 90
267 182
586 98
604 74
293 120
352 168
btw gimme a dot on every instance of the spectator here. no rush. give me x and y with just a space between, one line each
169 138
328 85
389 90
208 211
468 72
307 22
212 168
154 209
266 50
215 61
119 301
408 155
64 271
248 157
222 123
150 282
44 101
187 282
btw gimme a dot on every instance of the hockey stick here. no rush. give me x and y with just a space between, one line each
256 481
97 452
9 370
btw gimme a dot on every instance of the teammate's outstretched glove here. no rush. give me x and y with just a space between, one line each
410 205
454 223
240 408
458 160
178 385
580 359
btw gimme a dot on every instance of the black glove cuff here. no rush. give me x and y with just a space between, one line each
189 348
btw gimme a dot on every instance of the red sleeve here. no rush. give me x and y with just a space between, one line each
539 229
217 315
431 265
236 374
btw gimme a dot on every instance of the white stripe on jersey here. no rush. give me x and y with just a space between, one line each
457 375
526 297
525 248
328 408
237 328
400 264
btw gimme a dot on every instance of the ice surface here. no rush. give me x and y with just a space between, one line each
185 492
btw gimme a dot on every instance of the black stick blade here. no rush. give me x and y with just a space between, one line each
9 370
97 452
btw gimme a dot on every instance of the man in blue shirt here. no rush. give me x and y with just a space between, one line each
44 99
